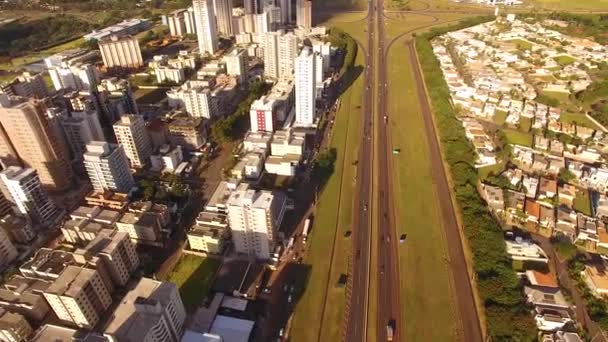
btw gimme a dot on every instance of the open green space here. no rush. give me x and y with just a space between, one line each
582 202
564 60
193 275
525 124
518 138
522 44
579 119
560 96
428 293
333 219
500 116
486 171
568 5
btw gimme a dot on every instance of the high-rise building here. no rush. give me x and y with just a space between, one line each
18 228
206 26
280 51
304 13
130 132
26 85
189 20
117 252
152 311
108 167
14 327
305 79
79 296
323 49
195 98
255 217
252 6
116 98
287 14
235 64
8 252
263 114
80 128
177 23
74 77
27 194
223 13
30 134
261 22
121 52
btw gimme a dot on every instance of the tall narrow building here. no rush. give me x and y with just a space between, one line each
255 217
305 83
280 51
108 167
131 133
223 13
25 190
8 252
304 13
80 128
206 26
35 141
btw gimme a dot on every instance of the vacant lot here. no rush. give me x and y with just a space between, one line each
579 119
518 138
193 275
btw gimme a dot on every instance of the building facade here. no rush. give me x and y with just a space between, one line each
131 133
206 26
108 167
121 52
305 84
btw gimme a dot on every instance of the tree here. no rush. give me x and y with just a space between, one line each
565 176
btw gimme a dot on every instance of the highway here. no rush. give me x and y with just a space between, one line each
356 328
388 295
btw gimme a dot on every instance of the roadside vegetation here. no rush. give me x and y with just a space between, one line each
507 317
20 37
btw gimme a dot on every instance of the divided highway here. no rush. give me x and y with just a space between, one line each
356 329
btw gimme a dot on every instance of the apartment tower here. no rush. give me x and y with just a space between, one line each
108 167
206 26
131 133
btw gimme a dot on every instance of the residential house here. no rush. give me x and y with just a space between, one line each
532 212
524 250
556 148
547 189
547 217
541 143
541 163
596 278
530 184
515 202
513 175
494 197
566 194
566 225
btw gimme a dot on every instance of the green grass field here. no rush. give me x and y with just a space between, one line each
500 116
427 303
562 97
521 44
525 124
484 172
194 276
579 119
331 222
582 202
567 5
564 60
518 138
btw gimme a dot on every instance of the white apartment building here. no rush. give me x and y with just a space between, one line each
108 167
287 142
280 51
177 23
206 26
26 85
131 133
235 64
8 252
262 114
189 20
116 98
156 307
305 84
14 327
121 52
27 194
195 98
74 77
223 13
254 218
167 159
261 22
323 49
79 296
80 129
117 252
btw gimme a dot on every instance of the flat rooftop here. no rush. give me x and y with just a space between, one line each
71 281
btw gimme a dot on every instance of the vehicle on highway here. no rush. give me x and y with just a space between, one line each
305 230
365 207
402 238
289 299
385 118
266 290
390 329
388 238
285 287
396 151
